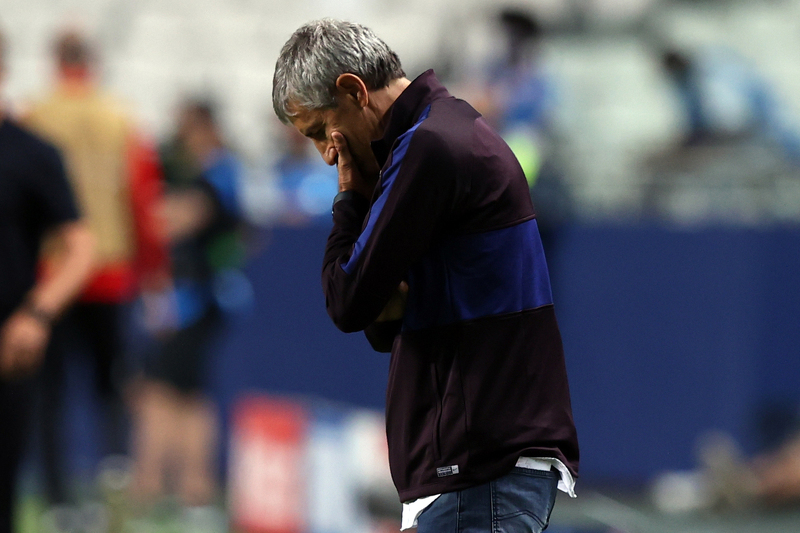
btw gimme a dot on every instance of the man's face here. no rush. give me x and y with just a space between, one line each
194 134
349 120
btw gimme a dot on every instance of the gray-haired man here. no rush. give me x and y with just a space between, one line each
435 253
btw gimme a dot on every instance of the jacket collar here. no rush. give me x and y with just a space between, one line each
405 111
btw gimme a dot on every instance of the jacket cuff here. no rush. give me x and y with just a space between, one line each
346 196
381 335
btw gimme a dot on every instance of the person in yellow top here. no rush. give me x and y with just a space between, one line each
116 177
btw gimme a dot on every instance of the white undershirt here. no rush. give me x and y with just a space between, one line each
414 508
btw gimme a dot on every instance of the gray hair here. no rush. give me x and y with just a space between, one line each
318 53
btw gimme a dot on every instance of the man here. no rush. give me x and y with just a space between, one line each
176 421
116 178
34 198
435 253
724 99
526 103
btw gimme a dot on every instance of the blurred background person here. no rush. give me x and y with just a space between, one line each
777 474
724 99
729 480
176 427
115 175
520 99
35 199
735 133
521 94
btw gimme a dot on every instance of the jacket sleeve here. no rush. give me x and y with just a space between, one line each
369 253
381 334
152 258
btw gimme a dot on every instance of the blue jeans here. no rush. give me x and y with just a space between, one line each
519 502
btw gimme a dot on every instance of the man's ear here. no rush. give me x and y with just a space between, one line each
350 85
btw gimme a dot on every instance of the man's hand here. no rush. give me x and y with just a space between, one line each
23 340
396 307
350 175
160 311
185 214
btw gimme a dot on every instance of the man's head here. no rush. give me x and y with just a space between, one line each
73 53
676 63
318 53
326 80
198 128
523 33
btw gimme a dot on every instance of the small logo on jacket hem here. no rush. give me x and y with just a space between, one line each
445 471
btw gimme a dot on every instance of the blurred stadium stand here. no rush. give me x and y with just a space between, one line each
616 105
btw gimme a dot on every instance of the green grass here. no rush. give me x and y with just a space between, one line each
165 517
29 509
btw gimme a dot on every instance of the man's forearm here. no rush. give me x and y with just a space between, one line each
24 335
51 295
381 335
348 219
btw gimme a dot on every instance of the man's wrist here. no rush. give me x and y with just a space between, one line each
42 316
363 187
348 194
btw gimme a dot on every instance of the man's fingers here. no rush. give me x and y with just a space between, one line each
23 341
338 140
20 362
350 169
6 353
343 151
10 361
396 306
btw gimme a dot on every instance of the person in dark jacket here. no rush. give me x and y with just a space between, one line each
36 206
435 253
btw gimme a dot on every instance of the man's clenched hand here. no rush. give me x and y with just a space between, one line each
350 178
23 339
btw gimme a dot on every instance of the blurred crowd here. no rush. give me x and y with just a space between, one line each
168 250
170 239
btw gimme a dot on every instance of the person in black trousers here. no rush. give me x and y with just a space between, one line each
35 200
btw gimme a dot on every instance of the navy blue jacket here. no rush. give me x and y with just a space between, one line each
477 375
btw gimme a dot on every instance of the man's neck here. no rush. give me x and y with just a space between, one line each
75 79
383 99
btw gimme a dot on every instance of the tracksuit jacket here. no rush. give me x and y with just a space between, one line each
477 375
